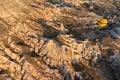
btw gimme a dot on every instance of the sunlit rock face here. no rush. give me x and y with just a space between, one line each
59 40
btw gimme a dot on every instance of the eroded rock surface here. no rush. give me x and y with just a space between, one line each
59 40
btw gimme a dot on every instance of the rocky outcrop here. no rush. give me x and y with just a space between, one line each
59 40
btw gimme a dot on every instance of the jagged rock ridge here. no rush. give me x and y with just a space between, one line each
58 40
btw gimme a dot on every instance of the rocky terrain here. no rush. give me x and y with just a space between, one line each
59 40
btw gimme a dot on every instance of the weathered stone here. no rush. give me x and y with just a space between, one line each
58 40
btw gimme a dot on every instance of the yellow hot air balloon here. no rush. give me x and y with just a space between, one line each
102 22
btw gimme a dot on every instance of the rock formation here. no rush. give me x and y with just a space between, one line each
59 40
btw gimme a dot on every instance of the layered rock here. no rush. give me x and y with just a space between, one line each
58 40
